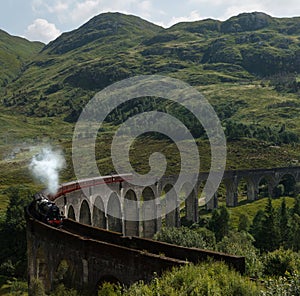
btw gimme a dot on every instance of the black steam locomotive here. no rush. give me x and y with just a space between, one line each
47 211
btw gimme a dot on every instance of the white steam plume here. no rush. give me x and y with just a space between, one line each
46 166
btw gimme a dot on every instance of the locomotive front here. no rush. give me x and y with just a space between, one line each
47 211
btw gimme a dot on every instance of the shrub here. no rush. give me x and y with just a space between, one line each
185 237
109 289
289 285
18 288
241 244
244 223
205 279
208 236
280 262
61 290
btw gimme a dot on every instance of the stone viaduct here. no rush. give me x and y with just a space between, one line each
102 239
94 209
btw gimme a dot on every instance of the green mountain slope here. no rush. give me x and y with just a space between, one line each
89 58
15 52
222 59
113 46
247 67
253 42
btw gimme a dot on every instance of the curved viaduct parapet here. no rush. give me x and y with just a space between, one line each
93 254
89 258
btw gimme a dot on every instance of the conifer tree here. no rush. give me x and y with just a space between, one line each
294 235
256 228
13 231
265 229
269 229
284 228
294 240
243 223
219 222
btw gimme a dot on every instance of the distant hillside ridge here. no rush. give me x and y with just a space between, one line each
101 27
60 77
15 52
242 23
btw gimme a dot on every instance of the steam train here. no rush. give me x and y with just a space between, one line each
47 211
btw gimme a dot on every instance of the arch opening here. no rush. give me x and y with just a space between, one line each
85 213
286 186
131 214
205 201
169 207
114 215
190 213
99 219
243 187
148 211
71 213
263 188
221 194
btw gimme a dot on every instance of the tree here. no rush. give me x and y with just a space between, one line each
206 278
244 223
13 231
265 229
241 244
255 228
269 229
284 227
294 240
219 222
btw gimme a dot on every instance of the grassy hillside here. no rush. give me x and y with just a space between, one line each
247 67
251 208
112 46
15 53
